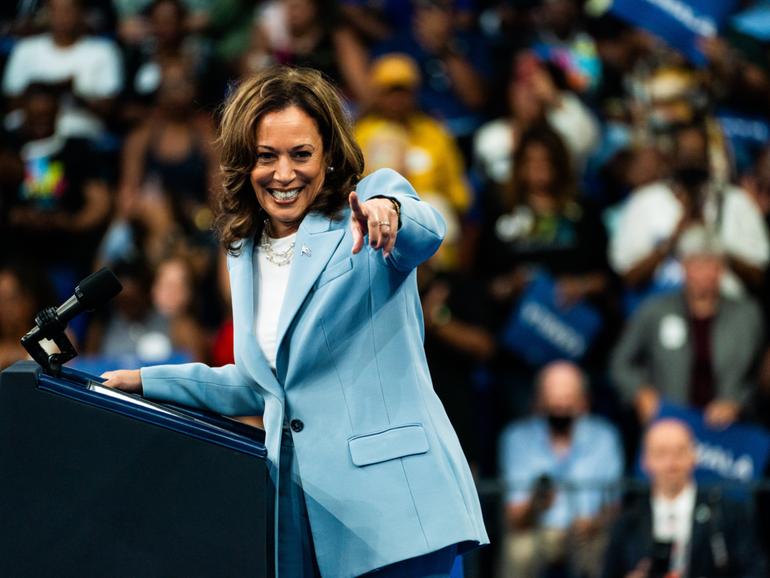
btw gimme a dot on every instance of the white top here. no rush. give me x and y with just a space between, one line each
672 522
269 292
651 214
93 64
494 143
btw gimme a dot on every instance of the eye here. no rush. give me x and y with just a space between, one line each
265 157
302 155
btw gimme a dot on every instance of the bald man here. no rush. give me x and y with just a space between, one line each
558 464
680 530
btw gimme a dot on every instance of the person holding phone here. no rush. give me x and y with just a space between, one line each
680 529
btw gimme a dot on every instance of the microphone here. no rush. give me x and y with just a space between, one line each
92 292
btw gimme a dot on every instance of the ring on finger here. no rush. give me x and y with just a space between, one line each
383 223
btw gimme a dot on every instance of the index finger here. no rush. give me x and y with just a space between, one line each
356 207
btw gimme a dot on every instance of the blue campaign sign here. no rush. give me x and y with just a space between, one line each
681 23
747 136
541 330
737 454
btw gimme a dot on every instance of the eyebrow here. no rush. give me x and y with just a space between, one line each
295 147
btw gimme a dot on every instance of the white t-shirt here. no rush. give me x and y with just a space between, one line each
93 64
672 522
269 292
494 143
651 214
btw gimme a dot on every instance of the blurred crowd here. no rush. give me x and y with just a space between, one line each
607 203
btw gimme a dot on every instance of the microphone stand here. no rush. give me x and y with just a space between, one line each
49 326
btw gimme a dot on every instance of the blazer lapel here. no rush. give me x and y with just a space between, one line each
242 281
700 546
315 244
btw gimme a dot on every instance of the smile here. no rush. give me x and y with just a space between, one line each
284 196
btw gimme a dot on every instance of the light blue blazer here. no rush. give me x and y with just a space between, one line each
382 470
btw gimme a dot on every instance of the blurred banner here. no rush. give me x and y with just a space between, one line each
736 454
746 134
541 329
754 21
680 23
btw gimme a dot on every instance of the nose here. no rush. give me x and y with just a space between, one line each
284 170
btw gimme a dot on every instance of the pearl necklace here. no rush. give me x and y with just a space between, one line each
278 258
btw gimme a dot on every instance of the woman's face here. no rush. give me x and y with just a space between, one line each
537 170
289 169
301 15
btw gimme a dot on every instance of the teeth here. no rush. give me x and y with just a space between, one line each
285 195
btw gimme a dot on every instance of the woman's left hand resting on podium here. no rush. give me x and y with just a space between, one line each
129 380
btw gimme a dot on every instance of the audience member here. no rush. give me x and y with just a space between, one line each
24 292
86 70
170 167
694 347
534 98
681 529
145 323
642 248
394 133
174 148
60 203
167 41
173 297
453 64
539 224
561 466
309 33
562 40
134 20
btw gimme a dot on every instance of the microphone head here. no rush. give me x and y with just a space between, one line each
98 288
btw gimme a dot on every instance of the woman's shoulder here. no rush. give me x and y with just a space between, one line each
383 182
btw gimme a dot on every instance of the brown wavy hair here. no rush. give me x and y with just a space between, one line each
238 215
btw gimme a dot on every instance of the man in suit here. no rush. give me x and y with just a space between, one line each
682 346
679 529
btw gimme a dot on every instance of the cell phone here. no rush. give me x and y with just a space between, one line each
660 558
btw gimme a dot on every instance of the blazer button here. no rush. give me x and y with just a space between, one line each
296 425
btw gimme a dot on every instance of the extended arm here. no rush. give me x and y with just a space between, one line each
223 390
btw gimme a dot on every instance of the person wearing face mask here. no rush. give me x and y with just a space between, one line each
560 466
642 250
368 471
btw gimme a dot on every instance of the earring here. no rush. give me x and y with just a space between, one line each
329 169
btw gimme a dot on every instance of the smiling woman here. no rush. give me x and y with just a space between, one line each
369 473
289 171
284 124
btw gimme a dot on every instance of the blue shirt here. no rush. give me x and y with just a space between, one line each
594 460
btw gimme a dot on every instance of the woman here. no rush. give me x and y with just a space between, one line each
541 236
542 226
309 33
328 342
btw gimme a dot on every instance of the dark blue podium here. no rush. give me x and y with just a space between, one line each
105 484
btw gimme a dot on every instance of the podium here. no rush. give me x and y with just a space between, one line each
100 483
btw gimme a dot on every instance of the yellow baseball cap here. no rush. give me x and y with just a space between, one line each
394 69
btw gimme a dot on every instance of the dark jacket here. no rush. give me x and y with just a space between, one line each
723 542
